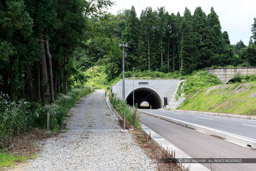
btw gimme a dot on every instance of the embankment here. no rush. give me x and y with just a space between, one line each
234 98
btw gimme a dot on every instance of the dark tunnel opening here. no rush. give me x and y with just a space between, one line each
145 95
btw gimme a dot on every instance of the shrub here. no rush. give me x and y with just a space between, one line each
152 74
22 116
199 80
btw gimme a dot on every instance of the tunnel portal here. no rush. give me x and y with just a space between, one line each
145 94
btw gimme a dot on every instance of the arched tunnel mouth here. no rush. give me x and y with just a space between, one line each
142 95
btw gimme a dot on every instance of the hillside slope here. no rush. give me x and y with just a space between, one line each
234 98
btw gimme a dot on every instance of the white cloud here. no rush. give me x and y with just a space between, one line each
236 16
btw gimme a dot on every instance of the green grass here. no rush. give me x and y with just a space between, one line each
20 117
7 160
131 116
233 98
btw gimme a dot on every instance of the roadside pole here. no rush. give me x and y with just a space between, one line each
123 90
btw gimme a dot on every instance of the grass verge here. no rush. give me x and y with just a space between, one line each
233 98
18 145
132 116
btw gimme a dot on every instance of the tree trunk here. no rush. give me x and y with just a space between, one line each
168 56
44 74
65 78
162 58
38 82
61 83
148 53
55 86
50 71
181 64
29 81
173 60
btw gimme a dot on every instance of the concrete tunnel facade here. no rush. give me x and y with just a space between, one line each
157 92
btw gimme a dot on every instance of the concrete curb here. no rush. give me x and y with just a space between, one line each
236 139
169 147
162 142
219 114
111 108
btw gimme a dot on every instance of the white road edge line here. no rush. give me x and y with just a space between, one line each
249 125
202 118
230 137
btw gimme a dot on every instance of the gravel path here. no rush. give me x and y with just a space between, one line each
94 142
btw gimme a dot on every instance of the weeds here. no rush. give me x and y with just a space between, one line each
7 160
130 115
199 80
152 75
22 116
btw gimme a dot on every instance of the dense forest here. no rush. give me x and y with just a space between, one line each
159 41
37 40
46 46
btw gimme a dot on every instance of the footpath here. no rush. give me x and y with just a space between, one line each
94 141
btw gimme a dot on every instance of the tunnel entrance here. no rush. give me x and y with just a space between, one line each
145 95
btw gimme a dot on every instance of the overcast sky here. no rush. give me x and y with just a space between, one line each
236 16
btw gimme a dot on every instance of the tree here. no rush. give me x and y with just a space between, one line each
15 31
201 28
227 51
147 22
188 46
214 39
251 52
254 30
130 35
162 23
239 45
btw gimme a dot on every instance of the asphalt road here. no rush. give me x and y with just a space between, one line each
199 145
243 127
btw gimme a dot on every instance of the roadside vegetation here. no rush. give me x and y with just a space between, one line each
196 81
152 75
238 97
132 116
7 160
18 119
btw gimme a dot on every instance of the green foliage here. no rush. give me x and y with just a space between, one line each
131 116
157 41
237 78
199 80
37 42
243 79
152 75
97 77
187 44
254 30
22 116
251 55
130 36
7 160
234 98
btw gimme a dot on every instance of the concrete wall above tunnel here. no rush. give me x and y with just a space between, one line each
152 91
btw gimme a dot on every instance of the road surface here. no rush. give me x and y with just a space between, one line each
243 127
199 145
